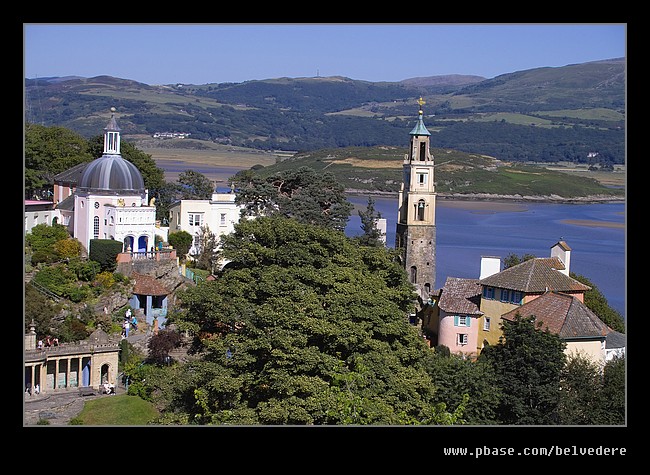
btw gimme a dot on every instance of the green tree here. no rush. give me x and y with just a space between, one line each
513 259
454 376
580 391
181 241
38 309
597 303
49 151
194 186
372 235
303 327
208 256
43 242
613 408
528 363
302 194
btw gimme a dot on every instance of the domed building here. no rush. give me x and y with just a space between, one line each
110 200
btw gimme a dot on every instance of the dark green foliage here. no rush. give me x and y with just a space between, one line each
372 235
591 395
49 151
195 186
597 303
308 114
304 327
208 257
57 279
181 241
614 392
303 194
38 309
105 251
85 270
73 329
42 242
513 259
528 363
455 376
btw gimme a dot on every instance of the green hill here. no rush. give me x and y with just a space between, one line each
542 114
379 169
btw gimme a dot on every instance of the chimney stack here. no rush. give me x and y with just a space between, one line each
490 265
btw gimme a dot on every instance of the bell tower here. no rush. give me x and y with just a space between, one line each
416 219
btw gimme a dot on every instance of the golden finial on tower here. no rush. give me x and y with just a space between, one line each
421 102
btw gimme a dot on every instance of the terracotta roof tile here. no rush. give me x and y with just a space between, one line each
535 276
148 285
461 296
563 315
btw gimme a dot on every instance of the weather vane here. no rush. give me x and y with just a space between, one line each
421 102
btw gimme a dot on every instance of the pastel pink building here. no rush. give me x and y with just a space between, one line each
459 315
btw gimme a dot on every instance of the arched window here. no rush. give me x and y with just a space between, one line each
420 210
423 151
414 275
96 227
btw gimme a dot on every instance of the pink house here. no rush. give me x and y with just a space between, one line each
459 315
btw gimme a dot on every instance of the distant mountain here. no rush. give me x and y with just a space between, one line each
574 113
454 80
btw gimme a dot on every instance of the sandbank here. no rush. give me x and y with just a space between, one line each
593 223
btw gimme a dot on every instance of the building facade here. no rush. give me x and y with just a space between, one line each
111 202
219 214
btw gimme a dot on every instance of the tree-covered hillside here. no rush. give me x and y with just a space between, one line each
542 114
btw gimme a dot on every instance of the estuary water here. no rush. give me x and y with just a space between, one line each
465 231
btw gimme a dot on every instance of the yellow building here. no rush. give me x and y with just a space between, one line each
566 316
509 289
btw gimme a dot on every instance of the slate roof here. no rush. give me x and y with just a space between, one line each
536 275
71 175
461 296
147 285
67 203
615 339
563 315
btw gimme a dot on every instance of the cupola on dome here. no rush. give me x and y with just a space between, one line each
111 172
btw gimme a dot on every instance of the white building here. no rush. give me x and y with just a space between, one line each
103 199
219 214
110 200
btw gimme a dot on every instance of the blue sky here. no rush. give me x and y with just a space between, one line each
215 53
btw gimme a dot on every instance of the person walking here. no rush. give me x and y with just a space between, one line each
126 326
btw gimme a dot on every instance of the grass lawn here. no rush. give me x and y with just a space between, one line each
117 410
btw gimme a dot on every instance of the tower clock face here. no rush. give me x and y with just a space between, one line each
96 204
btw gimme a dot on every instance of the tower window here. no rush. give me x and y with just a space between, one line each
420 210
414 275
423 151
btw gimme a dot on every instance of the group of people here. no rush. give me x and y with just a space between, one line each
108 388
37 389
49 341
129 320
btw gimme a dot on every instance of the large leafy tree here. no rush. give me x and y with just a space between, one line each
372 235
528 362
454 377
49 151
303 327
302 194
194 186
